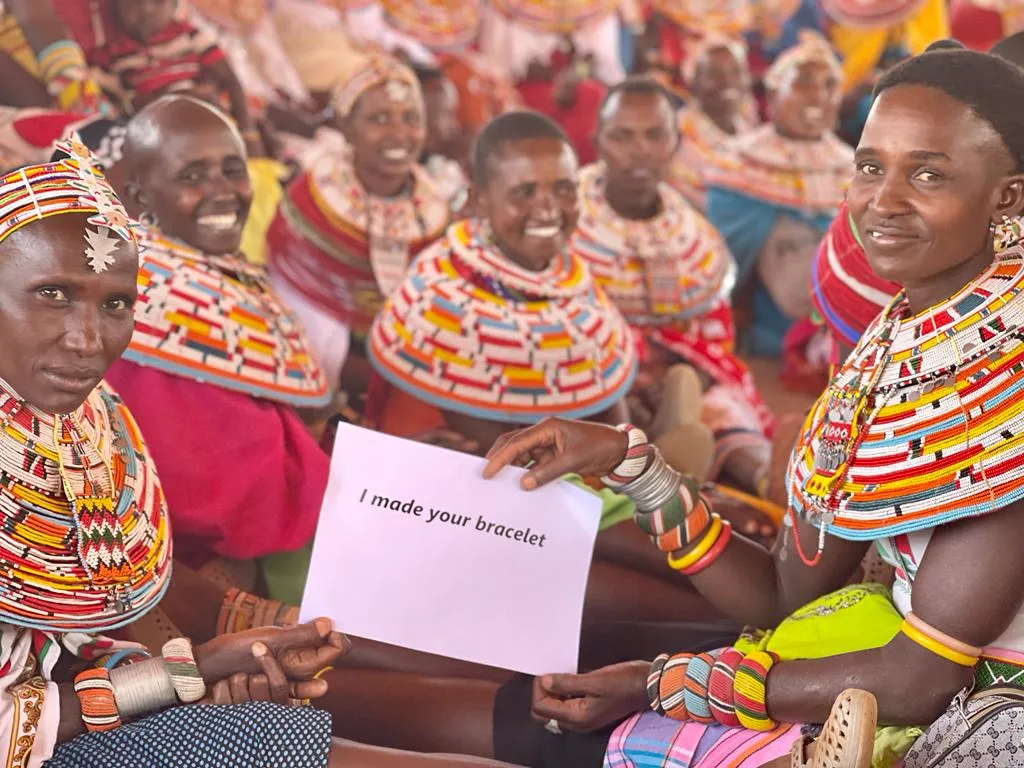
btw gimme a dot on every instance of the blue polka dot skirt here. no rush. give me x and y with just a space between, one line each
257 734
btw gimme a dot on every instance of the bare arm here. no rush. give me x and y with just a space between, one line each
970 585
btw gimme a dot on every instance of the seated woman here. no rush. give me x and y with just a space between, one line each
87 538
347 228
722 107
445 149
776 192
912 449
669 272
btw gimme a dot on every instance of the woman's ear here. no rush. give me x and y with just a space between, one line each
1011 198
134 198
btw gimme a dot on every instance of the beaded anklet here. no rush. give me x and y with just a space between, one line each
939 643
96 696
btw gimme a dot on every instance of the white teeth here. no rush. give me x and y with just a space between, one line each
543 231
814 113
219 221
396 154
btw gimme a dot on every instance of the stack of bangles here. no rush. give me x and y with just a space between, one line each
111 695
669 507
726 687
939 643
241 611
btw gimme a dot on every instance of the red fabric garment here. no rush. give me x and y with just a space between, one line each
243 477
86 20
708 344
579 120
977 28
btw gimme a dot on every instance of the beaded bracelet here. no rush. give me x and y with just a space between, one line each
935 646
654 683
236 612
720 687
633 463
709 557
181 665
750 693
677 522
96 696
695 687
712 532
672 687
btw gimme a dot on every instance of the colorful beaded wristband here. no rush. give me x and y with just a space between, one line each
702 547
181 665
750 693
720 687
672 689
695 691
633 463
680 520
654 683
939 649
236 612
712 554
96 696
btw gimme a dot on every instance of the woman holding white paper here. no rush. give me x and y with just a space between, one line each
913 449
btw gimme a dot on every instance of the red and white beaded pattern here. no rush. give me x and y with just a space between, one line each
632 465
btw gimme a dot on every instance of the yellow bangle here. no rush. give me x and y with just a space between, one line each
933 645
702 547
950 642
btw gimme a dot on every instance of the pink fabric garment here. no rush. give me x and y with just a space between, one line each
243 477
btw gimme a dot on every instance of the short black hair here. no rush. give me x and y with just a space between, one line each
1010 48
509 127
991 86
427 75
639 85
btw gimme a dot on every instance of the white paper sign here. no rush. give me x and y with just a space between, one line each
416 549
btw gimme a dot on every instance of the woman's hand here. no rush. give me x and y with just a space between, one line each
557 447
594 700
271 684
301 651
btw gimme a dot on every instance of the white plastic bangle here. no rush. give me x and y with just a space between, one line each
633 463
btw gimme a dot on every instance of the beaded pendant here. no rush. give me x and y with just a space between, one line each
101 546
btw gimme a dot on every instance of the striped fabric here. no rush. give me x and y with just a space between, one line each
930 430
174 58
471 332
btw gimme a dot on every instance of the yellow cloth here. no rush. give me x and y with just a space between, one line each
861 49
266 176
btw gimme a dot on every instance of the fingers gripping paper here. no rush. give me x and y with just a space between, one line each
416 549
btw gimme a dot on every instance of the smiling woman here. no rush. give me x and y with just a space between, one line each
349 226
914 449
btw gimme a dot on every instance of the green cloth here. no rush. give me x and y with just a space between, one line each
615 507
856 618
285 574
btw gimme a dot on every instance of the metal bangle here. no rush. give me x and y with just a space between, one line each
655 487
142 688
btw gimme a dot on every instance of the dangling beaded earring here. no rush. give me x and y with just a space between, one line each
149 220
1007 233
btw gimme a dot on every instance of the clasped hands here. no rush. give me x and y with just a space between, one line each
270 663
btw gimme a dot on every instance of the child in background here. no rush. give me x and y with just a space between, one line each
146 52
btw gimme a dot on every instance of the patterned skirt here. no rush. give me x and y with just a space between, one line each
649 740
256 734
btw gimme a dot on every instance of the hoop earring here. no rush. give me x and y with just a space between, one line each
149 220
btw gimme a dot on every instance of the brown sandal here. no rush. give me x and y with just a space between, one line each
848 737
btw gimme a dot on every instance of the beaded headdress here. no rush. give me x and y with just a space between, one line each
439 24
712 41
71 185
556 16
812 49
379 70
